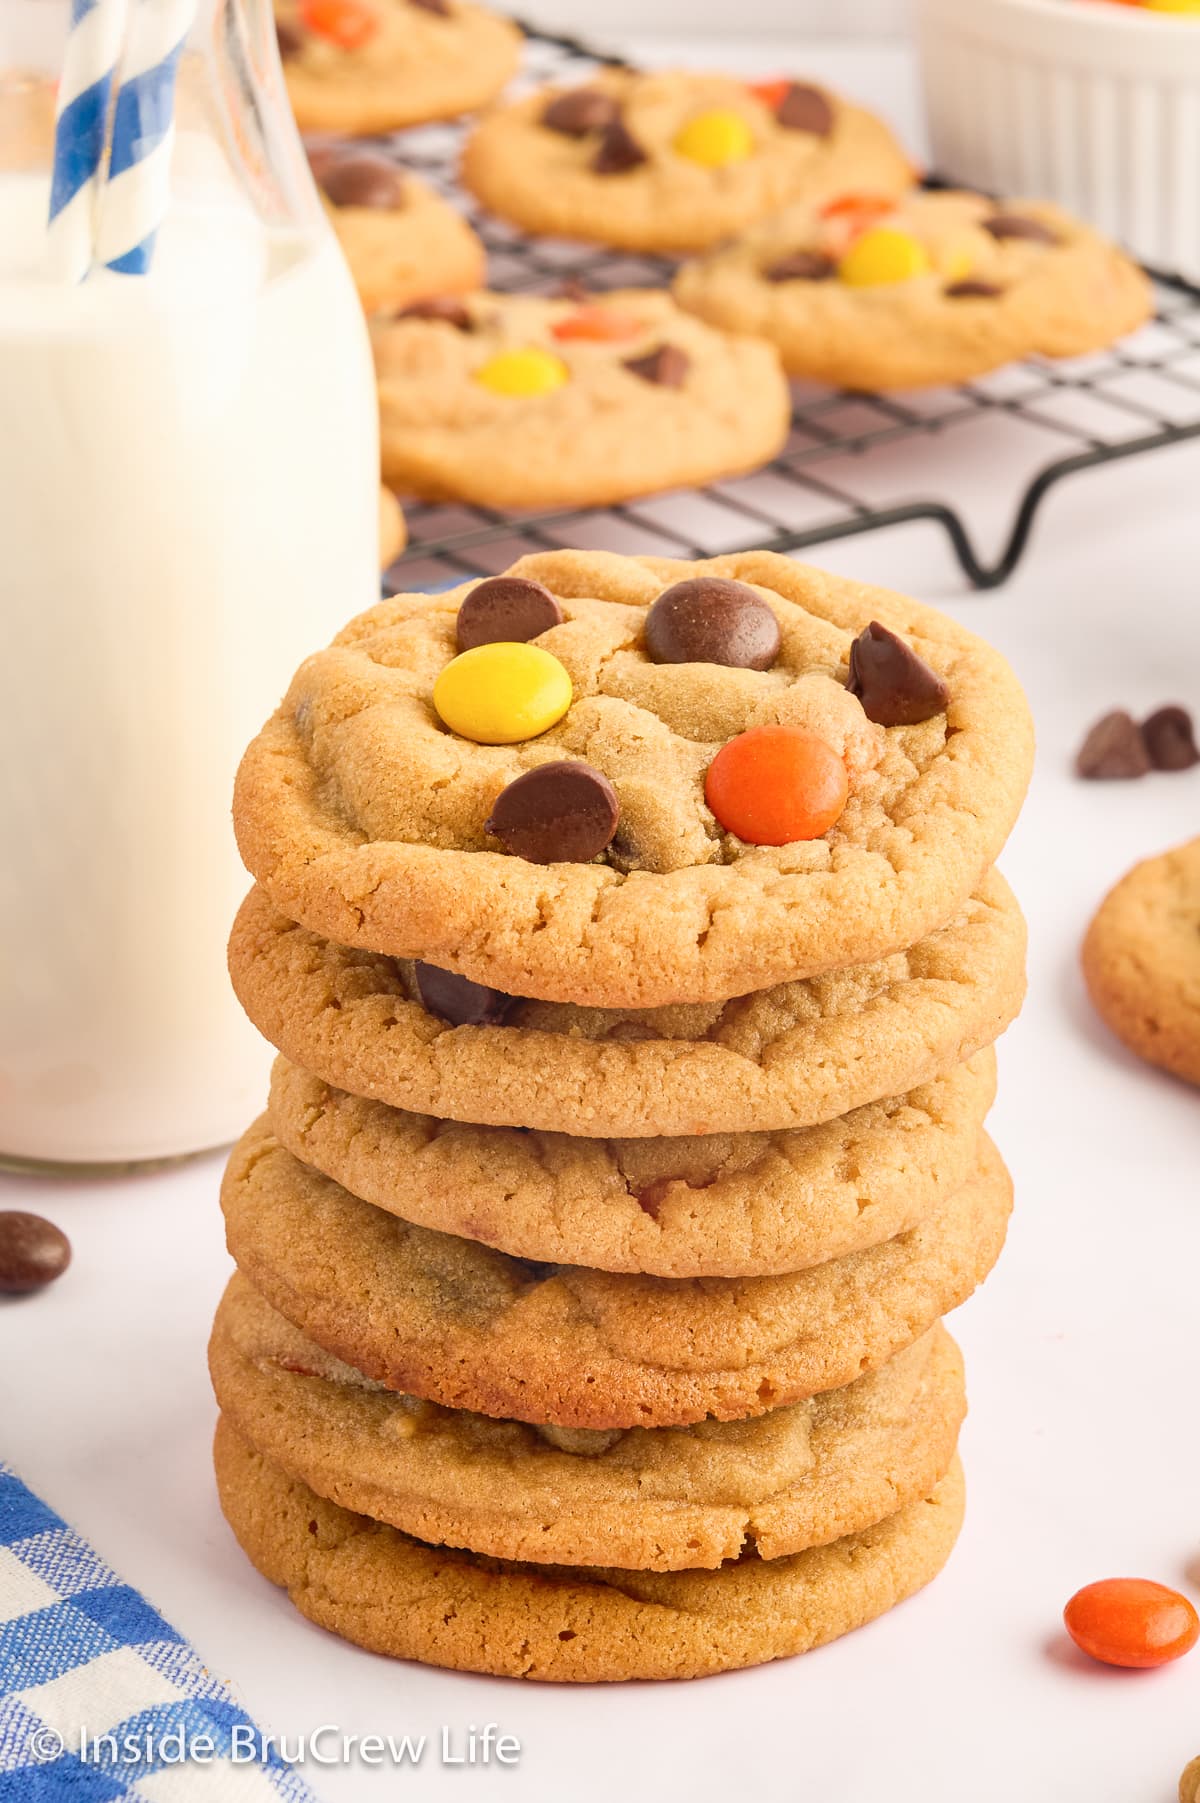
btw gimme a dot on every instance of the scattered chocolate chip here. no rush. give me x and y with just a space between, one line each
804 108
360 178
972 289
580 111
506 609
33 1252
458 1000
1019 225
448 309
289 38
1114 750
440 8
619 150
1170 739
895 686
802 266
559 813
666 367
707 620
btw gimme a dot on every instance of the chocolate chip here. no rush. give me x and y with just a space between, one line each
458 1000
361 178
707 620
972 289
1019 225
289 38
440 8
506 609
1114 750
445 308
1170 739
804 108
802 266
559 813
33 1252
895 686
580 111
666 367
619 150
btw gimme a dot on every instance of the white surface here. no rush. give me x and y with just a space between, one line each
1081 1452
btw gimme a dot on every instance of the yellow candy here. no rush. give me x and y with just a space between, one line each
522 372
883 255
501 693
715 139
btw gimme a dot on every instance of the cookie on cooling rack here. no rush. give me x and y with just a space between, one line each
361 66
393 534
871 293
527 401
402 241
673 161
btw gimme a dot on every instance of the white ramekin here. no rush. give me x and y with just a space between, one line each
1092 105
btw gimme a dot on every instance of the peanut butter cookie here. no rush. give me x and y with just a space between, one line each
1141 960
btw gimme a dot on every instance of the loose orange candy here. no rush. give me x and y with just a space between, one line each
598 325
346 23
771 93
776 784
1132 1622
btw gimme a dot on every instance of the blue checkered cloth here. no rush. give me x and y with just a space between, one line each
99 1696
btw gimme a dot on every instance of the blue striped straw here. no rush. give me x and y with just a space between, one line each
81 131
136 194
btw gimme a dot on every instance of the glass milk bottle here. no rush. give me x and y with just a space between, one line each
188 506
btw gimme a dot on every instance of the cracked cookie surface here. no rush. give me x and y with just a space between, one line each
395 1595
654 1499
463 1325
365 818
1141 960
716 1205
544 180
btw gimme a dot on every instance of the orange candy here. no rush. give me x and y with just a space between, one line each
346 23
771 93
776 784
598 325
1132 1622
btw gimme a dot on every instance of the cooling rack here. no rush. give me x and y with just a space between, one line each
853 463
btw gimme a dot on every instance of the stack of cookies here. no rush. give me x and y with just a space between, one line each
629 936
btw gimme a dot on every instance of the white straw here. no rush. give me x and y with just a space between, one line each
135 196
80 133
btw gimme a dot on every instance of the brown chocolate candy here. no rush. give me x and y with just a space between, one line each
1019 225
895 686
802 266
1170 738
33 1252
709 620
506 609
440 8
289 38
667 366
971 288
458 1000
559 813
1114 750
805 108
446 308
360 178
619 150
580 111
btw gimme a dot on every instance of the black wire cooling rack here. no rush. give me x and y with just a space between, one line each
853 462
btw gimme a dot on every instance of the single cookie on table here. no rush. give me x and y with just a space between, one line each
520 401
1141 960
673 161
654 1499
686 782
364 66
874 293
459 1324
402 241
393 533
392 1594
715 1205
789 1057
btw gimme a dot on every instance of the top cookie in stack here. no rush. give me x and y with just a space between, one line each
773 773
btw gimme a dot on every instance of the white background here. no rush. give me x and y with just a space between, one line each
1082 1454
